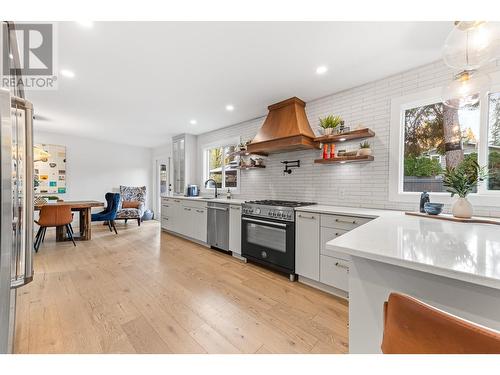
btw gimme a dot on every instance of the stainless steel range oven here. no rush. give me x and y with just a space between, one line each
268 233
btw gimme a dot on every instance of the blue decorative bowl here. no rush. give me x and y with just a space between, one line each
433 208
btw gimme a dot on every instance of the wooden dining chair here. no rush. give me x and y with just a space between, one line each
54 216
413 327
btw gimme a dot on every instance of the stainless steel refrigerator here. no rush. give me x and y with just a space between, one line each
16 207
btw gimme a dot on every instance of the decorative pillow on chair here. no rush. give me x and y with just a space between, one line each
131 204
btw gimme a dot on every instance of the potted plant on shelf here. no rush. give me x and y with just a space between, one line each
462 180
329 124
364 149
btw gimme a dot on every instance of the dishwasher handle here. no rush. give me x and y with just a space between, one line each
216 208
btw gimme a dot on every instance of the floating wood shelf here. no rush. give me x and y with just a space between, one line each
345 159
246 153
253 167
347 136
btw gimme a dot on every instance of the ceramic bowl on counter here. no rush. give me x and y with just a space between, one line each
433 208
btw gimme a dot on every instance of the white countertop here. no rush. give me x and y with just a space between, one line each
462 251
200 198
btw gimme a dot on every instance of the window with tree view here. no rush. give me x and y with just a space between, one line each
222 166
494 142
436 137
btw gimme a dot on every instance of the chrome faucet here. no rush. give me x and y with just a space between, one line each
215 185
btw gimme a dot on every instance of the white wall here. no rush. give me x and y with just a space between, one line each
364 184
94 167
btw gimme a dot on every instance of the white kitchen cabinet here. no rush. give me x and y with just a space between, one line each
170 209
199 223
235 228
184 149
307 246
335 272
312 260
185 217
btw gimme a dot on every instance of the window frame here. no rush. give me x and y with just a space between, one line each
219 144
396 141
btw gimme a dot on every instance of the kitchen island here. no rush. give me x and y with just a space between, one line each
452 266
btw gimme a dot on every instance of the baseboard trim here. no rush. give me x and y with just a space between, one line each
323 287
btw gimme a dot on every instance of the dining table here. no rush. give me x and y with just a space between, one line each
84 208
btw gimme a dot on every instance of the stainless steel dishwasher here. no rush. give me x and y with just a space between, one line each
218 225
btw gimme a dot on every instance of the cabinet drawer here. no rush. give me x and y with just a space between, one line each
165 223
342 222
334 272
328 234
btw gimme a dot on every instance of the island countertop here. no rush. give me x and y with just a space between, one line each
462 251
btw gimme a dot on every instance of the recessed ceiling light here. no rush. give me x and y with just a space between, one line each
87 24
321 69
342 162
67 73
11 56
229 107
342 139
193 122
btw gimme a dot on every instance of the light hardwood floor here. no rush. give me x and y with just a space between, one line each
144 291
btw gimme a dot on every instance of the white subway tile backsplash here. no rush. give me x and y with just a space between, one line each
360 185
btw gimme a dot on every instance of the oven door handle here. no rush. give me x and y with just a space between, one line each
264 222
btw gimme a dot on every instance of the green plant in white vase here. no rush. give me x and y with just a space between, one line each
462 180
364 149
329 123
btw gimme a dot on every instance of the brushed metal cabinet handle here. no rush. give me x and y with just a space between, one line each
340 265
307 217
345 221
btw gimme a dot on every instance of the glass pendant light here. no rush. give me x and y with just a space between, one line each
465 89
470 45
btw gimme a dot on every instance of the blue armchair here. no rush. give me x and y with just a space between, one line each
109 213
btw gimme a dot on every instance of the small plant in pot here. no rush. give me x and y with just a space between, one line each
462 180
329 124
364 149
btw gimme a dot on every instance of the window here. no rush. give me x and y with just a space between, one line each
426 137
435 137
221 165
494 141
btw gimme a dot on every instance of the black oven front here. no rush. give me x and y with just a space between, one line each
270 242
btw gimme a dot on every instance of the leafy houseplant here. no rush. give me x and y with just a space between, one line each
462 180
330 123
364 149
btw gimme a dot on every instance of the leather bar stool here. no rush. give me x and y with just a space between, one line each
413 327
54 216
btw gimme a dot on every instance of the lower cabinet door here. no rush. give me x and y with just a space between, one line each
307 245
334 272
200 224
235 229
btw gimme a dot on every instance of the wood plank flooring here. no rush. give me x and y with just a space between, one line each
144 291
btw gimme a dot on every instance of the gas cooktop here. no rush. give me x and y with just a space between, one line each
270 202
275 209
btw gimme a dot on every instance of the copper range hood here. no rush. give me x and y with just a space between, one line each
286 128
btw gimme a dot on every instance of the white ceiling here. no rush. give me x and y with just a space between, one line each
140 83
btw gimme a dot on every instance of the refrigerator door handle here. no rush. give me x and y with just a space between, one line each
26 274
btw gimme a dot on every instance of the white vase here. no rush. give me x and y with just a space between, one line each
328 131
462 208
364 152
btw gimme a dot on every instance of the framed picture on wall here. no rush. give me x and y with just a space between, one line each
50 169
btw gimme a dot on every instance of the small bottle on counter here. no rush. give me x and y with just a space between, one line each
228 196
